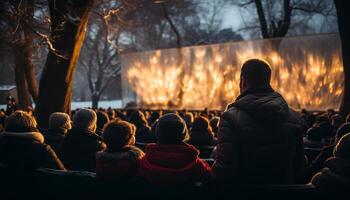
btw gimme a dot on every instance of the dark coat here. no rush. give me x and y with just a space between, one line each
259 141
54 138
79 149
144 134
335 176
121 165
172 165
202 139
27 151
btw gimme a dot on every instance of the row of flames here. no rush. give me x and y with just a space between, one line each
209 78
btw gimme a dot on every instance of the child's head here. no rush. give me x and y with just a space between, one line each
118 135
171 129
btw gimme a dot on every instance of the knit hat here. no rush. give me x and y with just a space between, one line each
85 119
171 129
59 120
342 149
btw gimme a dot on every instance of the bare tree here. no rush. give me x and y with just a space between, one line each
18 18
99 58
68 26
277 18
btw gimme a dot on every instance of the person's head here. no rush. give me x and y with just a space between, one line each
348 118
171 129
118 135
138 118
60 120
214 123
111 113
255 73
188 117
102 119
342 130
201 125
85 119
342 149
20 121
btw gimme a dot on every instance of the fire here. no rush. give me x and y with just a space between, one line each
307 75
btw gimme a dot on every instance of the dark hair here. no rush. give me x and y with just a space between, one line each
102 119
257 72
117 135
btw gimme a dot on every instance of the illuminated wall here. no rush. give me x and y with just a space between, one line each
307 71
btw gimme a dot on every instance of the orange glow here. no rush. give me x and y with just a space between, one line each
208 76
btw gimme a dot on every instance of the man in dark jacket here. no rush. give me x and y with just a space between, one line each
259 137
81 143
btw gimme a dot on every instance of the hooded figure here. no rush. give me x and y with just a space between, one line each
22 145
172 162
82 143
259 136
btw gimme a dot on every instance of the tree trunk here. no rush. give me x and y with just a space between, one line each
23 95
344 32
68 27
95 99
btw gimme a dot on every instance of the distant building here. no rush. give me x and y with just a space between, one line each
5 90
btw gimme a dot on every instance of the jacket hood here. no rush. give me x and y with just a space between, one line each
264 105
125 154
25 135
171 157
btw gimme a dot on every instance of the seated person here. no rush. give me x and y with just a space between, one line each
22 145
201 133
171 161
120 160
59 125
336 174
81 143
326 152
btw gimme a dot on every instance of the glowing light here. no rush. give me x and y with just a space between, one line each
209 77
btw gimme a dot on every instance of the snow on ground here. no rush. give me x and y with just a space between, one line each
85 104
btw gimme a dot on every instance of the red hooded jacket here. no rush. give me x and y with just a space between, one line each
172 164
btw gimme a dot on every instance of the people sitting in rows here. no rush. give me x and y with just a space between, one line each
260 137
102 119
59 125
82 143
327 152
120 160
201 133
143 131
336 174
22 145
171 161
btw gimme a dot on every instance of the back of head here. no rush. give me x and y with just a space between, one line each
201 125
20 121
188 117
102 119
171 129
342 130
342 149
118 134
85 119
214 123
59 120
138 118
257 72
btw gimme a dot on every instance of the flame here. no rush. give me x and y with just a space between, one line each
208 76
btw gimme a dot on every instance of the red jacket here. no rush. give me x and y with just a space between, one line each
172 164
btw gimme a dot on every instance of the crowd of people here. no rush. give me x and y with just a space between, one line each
258 139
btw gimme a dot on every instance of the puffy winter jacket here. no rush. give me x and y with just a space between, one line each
27 150
121 165
172 165
79 149
259 141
